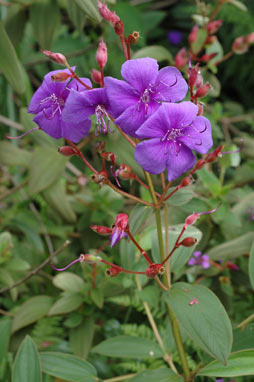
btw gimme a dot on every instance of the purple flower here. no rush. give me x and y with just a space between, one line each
143 91
48 103
174 130
84 104
199 259
175 36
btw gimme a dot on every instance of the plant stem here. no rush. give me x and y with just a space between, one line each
121 378
179 344
167 265
246 321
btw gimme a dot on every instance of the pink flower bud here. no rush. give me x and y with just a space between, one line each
213 26
119 29
200 163
203 90
211 157
59 58
240 45
191 219
153 270
101 229
96 76
188 242
121 221
186 181
102 55
250 38
181 58
125 172
67 151
61 77
193 34
133 38
107 14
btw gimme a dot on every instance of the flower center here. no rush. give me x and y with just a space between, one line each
54 103
171 136
101 126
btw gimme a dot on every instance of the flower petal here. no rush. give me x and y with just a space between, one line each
41 93
198 136
197 253
179 161
140 73
52 127
77 107
120 94
192 261
75 132
156 126
170 85
151 155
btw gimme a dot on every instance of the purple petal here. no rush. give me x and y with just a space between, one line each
156 126
192 261
75 132
197 254
140 73
132 118
52 127
120 94
181 114
179 161
205 263
151 155
171 86
77 107
198 136
115 236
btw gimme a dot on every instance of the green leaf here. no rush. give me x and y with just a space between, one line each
251 266
238 364
15 23
161 375
66 304
12 155
138 217
97 297
214 82
89 7
27 366
181 197
81 337
210 181
5 244
5 332
230 159
69 282
157 52
56 197
46 166
45 19
233 248
198 44
9 63
31 311
238 4
7 280
77 17
243 338
68 367
206 322
128 347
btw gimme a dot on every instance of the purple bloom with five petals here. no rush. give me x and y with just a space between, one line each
48 103
174 131
84 104
199 259
144 90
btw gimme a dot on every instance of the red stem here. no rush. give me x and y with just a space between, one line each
121 269
102 77
175 246
125 50
144 253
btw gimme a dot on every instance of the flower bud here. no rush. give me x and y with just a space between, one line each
59 58
193 75
207 57
181 58
113 271
67 151
61 77
133 38
214 26
191 219
125 172
101 229
250 38
200 109
100 177
107 14
193 34
119 29
109 156
210 40
121 221
231 265
211 157
203 90
102 55
200 163
188 242
186 181
90 259
153 270
96 76
240 45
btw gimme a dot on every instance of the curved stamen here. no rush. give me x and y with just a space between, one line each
233 151
211 211
22 135
67 266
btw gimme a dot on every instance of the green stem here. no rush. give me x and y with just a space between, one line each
179 344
